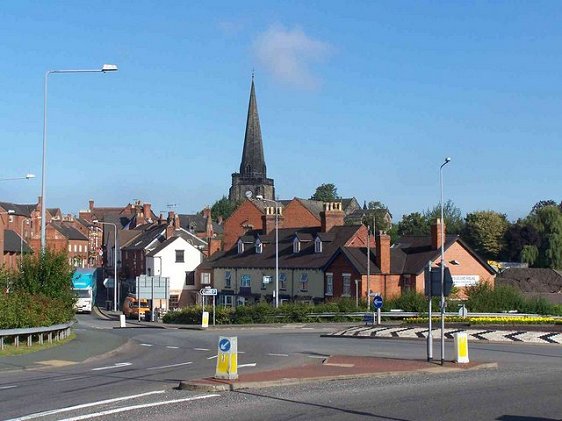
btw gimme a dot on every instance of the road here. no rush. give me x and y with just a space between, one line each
148 364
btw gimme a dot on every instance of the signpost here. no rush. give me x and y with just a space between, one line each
152 288
227 358
377 303
205 292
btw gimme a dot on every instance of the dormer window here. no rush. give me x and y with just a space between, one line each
317 245
259 246
240 247
296 246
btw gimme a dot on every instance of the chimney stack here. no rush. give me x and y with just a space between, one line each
91 204
382 248
170 229
436 234
331 216
268 219
146 211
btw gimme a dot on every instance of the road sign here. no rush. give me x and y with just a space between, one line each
108 282
377 302
224 345
153 287
208 291
227 358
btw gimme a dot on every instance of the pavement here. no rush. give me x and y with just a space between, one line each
332 368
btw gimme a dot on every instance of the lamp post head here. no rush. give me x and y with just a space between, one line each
28 176
109 68
447 160
94 221
259 197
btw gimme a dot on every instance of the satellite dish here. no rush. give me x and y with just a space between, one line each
248 194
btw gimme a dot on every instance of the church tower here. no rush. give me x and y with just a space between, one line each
252 176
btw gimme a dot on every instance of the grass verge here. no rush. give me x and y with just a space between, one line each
11 350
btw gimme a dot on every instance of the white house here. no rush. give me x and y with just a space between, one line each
176 258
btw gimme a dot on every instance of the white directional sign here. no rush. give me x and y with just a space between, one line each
209 291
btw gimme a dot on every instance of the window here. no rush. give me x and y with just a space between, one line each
282 281
179 256
70 247
189 278
227 279
149 271
317 245
205 278
174 302
240 301
304 281
259 247
246 281
296 246
240 247
80 248
329 284
228 300
75 248
407 282
346 291
265 281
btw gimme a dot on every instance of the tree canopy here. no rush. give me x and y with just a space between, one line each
485 231
377 217
451 214
413 224
326 193
223 208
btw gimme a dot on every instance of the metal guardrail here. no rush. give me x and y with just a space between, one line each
49 333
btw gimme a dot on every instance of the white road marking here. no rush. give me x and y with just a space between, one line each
241 352
318 356
307 328
201 349
213 357
278 355
172 347
146 344
133 407
112 366
171 365
70 378
7 387
247 365
84 405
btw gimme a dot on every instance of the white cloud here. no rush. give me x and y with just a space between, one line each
289 55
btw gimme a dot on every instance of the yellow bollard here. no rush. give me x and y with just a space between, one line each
227 358
461 347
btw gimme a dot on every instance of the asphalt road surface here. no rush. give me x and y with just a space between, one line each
134 374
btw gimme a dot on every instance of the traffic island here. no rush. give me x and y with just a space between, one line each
332 368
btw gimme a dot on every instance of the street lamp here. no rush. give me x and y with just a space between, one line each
105 68
447 160
260 197
95 221
26 177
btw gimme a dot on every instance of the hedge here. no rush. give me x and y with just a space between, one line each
23 310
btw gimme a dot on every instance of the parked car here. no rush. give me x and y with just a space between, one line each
131 308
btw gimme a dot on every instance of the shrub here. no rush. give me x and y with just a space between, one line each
23 310
408 301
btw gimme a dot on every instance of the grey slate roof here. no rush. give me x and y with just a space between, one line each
161 246
305 259
68 231
532 279
12 243
145 236
197 223
22 210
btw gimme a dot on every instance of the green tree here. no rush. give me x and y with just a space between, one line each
413 224
549 221
484 231
518 236
326 193
46 273
377 217
451 214
541 204
223 208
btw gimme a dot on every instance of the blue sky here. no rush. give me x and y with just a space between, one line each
370 96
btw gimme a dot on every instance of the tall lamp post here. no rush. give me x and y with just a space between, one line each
442 234
260 197
105 68
95 221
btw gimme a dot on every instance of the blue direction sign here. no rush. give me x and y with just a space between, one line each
377 301
224 345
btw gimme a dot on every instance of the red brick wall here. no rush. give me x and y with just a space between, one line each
297 216
338 267
246 214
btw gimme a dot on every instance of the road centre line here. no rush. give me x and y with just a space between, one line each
213 357
133 407
201 349
172 347
84 405
278 355
171 365
247 365
318 356
146 344
117 365
7 387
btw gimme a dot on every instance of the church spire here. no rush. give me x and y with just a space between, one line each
253 162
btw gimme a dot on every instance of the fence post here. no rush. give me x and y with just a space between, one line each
17 341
